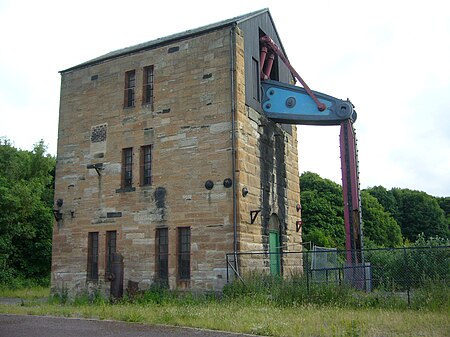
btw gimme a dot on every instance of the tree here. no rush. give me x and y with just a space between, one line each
379 227
444 203
26 219
322 211
385 198
419 213
323 214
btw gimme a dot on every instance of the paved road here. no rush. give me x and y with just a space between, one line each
38 326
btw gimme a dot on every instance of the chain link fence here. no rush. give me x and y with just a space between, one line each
398 270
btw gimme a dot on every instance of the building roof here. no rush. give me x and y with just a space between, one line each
168 39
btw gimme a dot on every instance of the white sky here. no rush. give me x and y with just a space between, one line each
391 58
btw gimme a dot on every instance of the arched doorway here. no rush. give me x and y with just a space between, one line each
274 245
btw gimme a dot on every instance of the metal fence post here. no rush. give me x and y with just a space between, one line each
228 276
406 275
307 273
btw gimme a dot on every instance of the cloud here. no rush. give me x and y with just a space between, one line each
389 57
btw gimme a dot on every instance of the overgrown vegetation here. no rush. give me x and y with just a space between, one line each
410 267
25 293
391 218
26 219
270 306
264 304
296 291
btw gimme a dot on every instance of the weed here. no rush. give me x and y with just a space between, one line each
434 295
296 291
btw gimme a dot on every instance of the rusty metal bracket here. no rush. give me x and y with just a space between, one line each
298 225
97 167
253 215
57 214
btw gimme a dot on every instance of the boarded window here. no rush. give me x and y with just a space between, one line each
127 167
92 263
162 255
146 165
111 238
184 253
148 85
130 84
255 82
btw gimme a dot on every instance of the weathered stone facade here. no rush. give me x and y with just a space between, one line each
199 98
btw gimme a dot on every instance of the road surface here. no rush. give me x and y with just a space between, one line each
39 326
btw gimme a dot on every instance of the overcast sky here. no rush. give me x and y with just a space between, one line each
391 58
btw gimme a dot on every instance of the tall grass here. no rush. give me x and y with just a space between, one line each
26 293
270 306
297 291
257 318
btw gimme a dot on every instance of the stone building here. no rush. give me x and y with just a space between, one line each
165 156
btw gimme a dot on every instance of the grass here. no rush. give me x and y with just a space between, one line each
25 293
270 307
265 319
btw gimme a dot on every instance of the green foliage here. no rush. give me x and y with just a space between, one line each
157 294
420 213
323 214
411 267
285 292
28 292
444 203
322 211
265 319
92 298
433 295
415 212
379 226
295 291
385 198
26 198
161 295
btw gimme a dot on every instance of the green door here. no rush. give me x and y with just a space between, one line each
274 243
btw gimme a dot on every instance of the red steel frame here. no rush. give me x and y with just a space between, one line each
349 158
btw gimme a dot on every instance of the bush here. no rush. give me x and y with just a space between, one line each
296 291
433 295
10 281
402 269
293 291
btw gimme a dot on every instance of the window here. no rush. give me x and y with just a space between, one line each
130 84
162 254
148 85
184 253
92 265
146 165
256 75
274 71
127 167
110 250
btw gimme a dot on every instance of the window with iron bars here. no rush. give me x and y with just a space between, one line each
184 253
130 84
147 97
146 165
92 258
127 167
162 255
111 238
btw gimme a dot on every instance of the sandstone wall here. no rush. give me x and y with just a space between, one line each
189 127
267 165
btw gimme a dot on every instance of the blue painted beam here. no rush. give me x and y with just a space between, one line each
289 104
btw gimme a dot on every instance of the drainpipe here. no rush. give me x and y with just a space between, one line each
233 137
